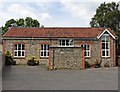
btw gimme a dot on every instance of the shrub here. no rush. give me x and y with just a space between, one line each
8 59
98 63
87 64
33 61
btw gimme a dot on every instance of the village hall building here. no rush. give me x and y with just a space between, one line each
59 47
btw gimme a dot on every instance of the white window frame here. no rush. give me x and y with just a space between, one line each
88 50
71 43
17 50
106 35
44 50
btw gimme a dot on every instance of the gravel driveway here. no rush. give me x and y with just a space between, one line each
38 78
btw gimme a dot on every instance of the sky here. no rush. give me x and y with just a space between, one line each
51 13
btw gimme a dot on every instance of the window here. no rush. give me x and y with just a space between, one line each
66 42
19 50
86 50
44 50
105 45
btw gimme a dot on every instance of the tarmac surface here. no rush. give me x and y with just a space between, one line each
38 78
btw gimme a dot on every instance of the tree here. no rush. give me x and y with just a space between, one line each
107 15
27 22
21 22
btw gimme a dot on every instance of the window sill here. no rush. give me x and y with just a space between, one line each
44 57
106 57
87 57
18 57
66 46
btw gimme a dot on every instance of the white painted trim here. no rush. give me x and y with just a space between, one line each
105 49
89 51
105 56
65 43
20 51
104 32
65 46
42 50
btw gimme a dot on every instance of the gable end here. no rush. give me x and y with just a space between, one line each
106 30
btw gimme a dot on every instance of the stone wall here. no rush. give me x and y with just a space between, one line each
33 47
109 61
118 60
95 47
67 58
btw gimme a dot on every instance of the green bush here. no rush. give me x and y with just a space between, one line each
33 61
97 63
87 64
8 59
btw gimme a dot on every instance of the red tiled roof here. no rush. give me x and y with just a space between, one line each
55 32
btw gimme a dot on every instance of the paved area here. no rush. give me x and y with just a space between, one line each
38 78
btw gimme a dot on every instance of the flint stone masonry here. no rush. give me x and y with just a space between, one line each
118 60
33 47
67 57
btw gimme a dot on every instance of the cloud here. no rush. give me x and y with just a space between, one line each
58 0
45 16
50 12
21 10
81 10
119 5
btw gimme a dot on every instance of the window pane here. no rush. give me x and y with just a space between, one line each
15 53
107 38
81 45
71 42
60 42
47 47
85 53
44 53
87 47
15 47
103 38
19 53
63 42
103 45
42 47
107 53
41 53
19 46
84 47
67 42
23 47
23 53
103 53
107 47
